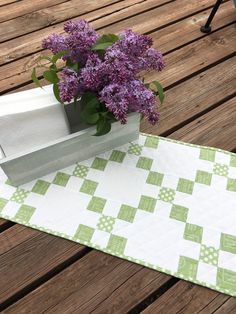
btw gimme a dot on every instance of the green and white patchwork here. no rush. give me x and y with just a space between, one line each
164 204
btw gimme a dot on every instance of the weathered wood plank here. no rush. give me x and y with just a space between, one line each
5 2
196 56
214 304
187 30
15 236
183 297
16 9
194 96
30 43
228 307
36 255
180 64
216 128
151 20
67 10
90 281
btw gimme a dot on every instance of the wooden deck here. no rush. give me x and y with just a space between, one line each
40 273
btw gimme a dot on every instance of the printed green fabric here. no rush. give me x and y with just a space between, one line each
164 204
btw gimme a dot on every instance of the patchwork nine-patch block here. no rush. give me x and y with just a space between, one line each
164 204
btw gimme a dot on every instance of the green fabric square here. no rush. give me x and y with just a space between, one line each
185 186
207 154
209 255
3 203
188 267
80 171
166 194
24 213
96 204
226 279
40 187
106 223
228 243
117 156
155 178
220 169
135 149
147 203
193 233
233 161
144 163
19 195
83 233
127 213
116 244
203 177
61 179
89 187
231 185
179 213
151 142
99 163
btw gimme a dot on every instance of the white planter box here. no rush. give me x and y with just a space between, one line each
36 138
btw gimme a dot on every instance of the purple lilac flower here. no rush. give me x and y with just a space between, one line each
152 59
117 66
134 44
81 36
71 27
69 85
132 96
80 40
116 100
142 100
55 43
114 77
92 75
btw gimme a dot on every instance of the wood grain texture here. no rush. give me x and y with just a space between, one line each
216 128
48 16
14 236
196 56
5 2
30 43
91 281
16 9
34 255
183 297
187 30
156 18
193 97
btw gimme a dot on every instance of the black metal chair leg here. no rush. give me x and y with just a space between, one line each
207 27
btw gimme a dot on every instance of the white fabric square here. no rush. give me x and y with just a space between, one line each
207 273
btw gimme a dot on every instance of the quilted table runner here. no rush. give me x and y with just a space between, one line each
163 204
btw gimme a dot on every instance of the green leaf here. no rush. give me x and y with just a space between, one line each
160 91
89 100
90 116
75 66
59 55
35 79
56 92
51 76
105 41
103 127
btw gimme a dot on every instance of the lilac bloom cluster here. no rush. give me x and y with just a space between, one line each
114 75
